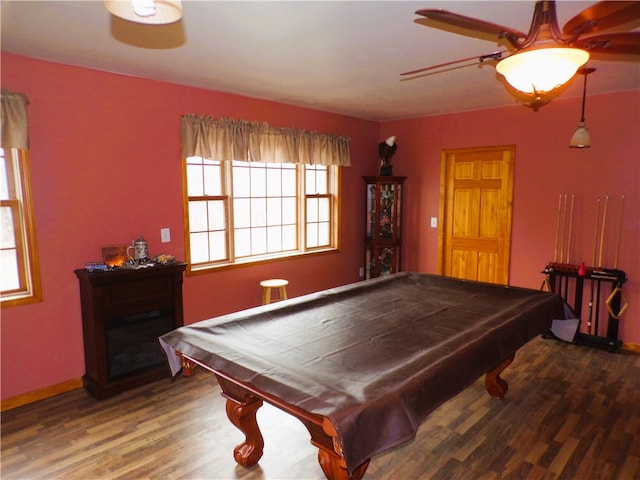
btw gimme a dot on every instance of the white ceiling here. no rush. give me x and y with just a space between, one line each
335 56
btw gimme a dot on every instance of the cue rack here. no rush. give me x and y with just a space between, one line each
604 301
595 292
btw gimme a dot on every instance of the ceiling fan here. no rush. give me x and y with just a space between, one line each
538 62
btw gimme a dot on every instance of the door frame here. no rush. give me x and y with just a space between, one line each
444 166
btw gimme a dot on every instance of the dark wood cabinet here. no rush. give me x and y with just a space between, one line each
123 314
383 234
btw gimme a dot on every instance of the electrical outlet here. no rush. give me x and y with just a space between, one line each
361 272
434 222
165 235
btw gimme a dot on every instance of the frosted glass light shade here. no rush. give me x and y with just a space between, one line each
542 70
153 12
581 137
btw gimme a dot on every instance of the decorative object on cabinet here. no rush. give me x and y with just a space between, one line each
386 151
383 237
140 250
124 311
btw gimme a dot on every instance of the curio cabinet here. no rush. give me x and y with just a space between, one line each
383 231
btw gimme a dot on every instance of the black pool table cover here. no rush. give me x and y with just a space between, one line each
375 357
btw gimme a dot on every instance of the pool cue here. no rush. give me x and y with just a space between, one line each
573 197
595 249
615 261
596 327
555 250
604 222
564 224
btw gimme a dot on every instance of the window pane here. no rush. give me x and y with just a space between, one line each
241 180
197 216
258 212
274 211
323 209
194 180
321 181
212 180
199 247
7 232
324 228
216 215
274 239
258 241
242 213
258 181
4 181
217 246
312 235
10 279
289 238
289 211
310 181
274 183
289 186
312 210
242 242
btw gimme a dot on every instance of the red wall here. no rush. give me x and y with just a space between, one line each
106 168
105 159
544 168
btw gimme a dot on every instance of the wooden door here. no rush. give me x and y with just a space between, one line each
476 192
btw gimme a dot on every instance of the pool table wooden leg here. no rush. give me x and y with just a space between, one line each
495 385
243 416
332 462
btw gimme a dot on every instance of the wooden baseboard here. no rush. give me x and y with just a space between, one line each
40 394
633 347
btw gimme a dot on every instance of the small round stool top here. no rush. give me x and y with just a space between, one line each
274 283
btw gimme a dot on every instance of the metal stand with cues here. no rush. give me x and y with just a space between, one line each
568 280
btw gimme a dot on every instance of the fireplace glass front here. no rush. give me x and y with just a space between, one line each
132 342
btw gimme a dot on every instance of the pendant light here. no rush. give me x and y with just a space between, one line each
581 137
151 12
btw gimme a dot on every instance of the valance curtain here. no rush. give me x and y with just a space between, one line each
226 139
14 123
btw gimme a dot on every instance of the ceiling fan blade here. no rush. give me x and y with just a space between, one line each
626 43
601 16
472 24
480 58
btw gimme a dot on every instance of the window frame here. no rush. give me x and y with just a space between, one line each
21 204
333 193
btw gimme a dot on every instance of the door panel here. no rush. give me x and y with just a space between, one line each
475 213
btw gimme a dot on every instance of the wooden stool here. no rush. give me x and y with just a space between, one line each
267 285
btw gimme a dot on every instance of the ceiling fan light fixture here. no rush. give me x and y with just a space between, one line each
151 12
541 70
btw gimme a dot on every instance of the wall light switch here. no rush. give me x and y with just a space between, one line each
434 222
165 235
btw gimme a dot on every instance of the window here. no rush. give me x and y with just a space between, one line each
240 212
20 279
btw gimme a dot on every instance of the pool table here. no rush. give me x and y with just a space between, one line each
362 365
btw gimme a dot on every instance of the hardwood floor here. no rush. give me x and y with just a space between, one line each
571 413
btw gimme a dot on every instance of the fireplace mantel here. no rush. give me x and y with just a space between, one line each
123 313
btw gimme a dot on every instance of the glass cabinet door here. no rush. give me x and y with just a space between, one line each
383 232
